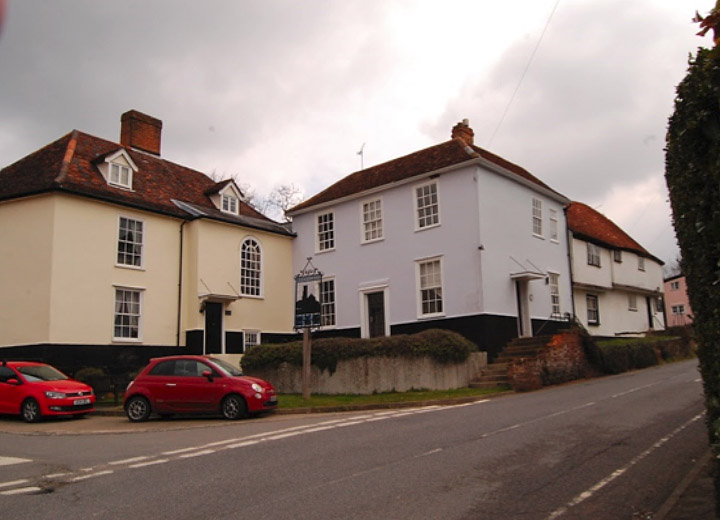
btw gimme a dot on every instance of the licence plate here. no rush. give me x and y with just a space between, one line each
273 399
80 402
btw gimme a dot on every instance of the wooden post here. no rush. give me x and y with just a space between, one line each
306 363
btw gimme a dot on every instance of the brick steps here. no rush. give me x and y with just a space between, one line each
495 374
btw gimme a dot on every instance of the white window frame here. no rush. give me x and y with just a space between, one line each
132 249
371 216
593 314
537 217
251 276
632 302
249 333
678 310
617 256
131 314
554 237
328 305
593 254
675 285
554 283
324 231
229 204
424 283
431 219
115 175
641 263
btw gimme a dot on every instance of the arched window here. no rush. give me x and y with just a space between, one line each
250 268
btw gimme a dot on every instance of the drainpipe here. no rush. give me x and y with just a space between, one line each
180 275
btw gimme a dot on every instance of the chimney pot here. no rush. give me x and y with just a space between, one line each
140 131
463 132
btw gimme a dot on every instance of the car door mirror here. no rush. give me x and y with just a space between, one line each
13 381
208 374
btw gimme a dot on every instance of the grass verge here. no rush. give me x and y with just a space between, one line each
289 401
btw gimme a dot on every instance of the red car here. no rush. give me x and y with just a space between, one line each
36 390
196 384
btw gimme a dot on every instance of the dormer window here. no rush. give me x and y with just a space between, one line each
120 175
229 203
118 169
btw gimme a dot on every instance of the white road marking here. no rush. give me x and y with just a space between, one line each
56 475
7 461
243 444
431 452
91 475
149 463
21 491
184 450
14 483
127 461
196 454
618 472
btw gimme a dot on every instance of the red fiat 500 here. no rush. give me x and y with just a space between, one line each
196 384
34 390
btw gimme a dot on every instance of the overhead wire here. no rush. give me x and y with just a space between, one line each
524 73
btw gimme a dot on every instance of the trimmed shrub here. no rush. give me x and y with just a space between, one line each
440 345
692 172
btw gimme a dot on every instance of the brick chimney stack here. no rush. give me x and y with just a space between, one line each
463 132
140 131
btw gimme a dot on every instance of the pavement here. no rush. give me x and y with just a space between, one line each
692 499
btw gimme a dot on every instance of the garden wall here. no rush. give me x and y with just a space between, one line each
367 375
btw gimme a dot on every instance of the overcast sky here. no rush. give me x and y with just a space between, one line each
273 92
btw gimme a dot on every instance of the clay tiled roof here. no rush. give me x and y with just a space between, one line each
590 225
445 155
70 165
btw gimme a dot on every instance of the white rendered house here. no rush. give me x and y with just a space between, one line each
451 236
617 284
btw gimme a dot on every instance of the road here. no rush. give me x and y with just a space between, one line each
608 448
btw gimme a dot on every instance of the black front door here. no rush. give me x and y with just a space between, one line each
376 314
213 327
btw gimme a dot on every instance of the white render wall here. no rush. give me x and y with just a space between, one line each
477 207
613 282
505 213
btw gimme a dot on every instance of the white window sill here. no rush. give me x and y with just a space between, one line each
431 316
132 267
433 226
252 296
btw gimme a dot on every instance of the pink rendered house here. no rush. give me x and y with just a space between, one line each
677 305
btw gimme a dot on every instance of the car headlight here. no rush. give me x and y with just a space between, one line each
257 388
55 395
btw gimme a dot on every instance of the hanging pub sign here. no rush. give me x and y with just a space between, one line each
308 297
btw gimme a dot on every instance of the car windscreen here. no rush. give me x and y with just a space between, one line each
41 373
226 368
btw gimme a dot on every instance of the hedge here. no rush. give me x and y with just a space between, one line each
692 172
623 354
441 345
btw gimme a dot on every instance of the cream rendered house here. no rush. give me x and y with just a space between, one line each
111 254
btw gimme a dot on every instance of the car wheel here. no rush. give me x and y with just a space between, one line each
137 409
234 407
31 411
